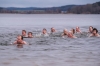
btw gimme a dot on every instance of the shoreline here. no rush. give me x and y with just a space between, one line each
52 14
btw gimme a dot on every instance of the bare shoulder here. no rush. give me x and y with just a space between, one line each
98 35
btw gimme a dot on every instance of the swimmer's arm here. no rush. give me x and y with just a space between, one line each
74 37
90 35
62 34
15 42
98 35
81 32
25 43
63 37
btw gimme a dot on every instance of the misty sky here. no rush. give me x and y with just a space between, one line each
43 3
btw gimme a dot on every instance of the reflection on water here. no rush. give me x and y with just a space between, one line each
49 51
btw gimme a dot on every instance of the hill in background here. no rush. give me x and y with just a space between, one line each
74 9
86 9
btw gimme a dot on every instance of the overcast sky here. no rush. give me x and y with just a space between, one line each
42 3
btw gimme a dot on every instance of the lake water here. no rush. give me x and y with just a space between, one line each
53 50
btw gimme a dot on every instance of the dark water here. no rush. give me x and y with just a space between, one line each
53 50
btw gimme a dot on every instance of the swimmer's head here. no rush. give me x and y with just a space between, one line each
65 30
19 37
52 29
44 31
24 32
73 31
95 31
77 28
90 29
30 34
70 34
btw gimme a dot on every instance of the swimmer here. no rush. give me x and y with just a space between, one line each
65 33
20 41
53 30
78 30
70 35
30 35
24 33
90 29
73 31
94 33
44 32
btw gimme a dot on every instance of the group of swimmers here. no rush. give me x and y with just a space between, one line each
70 34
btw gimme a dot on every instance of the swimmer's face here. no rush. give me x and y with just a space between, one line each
19 37
44 31
73 31
77 28
29 35
52 30
94 32
65 31
90 29
23 33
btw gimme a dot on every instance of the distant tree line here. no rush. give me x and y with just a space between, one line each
86 9
57 11
74 9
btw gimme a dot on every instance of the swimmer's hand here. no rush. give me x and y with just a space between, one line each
74 37
63 37
11 43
